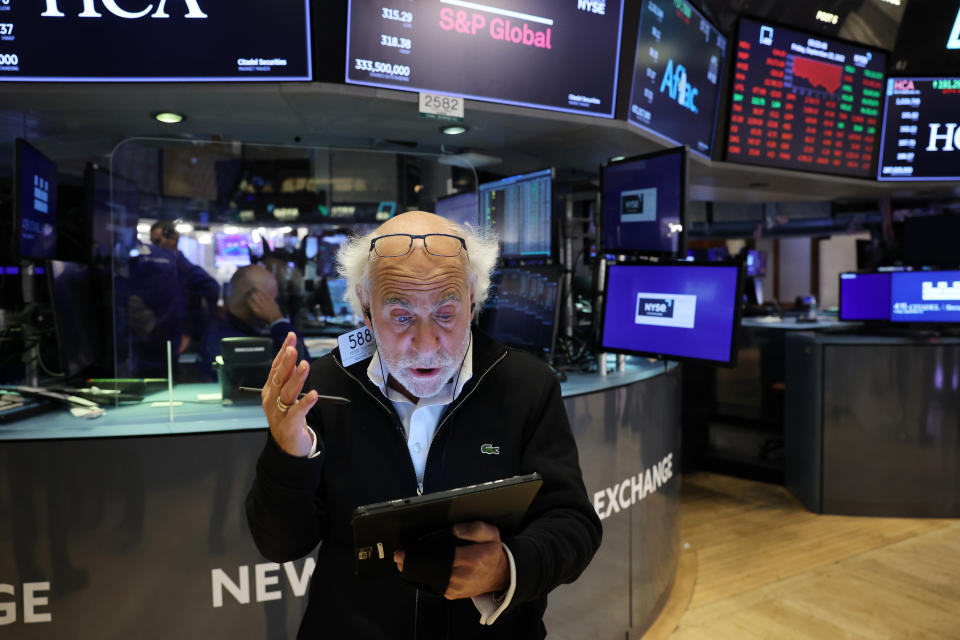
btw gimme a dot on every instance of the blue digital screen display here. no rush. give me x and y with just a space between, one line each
677 73
36 202
642 203
865 296
461 208
520 210
674 311
925 296
190 41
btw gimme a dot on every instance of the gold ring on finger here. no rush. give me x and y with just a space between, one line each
283 405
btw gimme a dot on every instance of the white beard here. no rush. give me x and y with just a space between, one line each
447 363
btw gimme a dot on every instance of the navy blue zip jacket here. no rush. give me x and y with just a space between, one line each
512 402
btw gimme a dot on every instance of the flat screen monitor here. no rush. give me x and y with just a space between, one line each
643 204
805 102
232 249
680 311
553 55
338 289
676 74
523 308
520 210
236 41
461 208
932 240
79 329
921 137
865 296
925 296
33 225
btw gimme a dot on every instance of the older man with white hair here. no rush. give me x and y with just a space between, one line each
439 405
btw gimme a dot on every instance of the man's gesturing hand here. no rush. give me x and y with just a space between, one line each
288 426
478 568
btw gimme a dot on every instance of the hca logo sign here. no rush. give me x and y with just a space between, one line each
90 10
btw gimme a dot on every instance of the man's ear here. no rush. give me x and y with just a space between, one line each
365 305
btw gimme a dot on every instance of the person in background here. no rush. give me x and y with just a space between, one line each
251 309
163 233
201 291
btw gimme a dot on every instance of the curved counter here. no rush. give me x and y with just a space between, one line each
130 525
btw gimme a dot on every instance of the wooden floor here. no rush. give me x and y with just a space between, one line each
759 565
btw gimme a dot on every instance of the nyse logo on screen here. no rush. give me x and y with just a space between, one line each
638 205
950 136
666 309
593 6
675 84
655 307
89 9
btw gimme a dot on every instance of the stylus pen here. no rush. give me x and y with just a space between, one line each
320 398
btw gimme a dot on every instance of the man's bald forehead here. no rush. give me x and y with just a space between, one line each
415 222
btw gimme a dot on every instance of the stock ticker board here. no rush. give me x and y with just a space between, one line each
804 102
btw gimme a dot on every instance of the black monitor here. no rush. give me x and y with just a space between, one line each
460 208
865 296
804 101
562 56
643 202
932 240
677 311
32 227
520 210
78 324
523 308
676 74
920 134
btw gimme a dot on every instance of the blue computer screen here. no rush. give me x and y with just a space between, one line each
642 203
460 208
865 296
925 296
36 202
519 209
675 311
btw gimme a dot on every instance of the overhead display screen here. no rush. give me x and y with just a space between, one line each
532 53
804 102
159 41
643 203
921 135
676 74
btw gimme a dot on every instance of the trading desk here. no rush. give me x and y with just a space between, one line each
132 525
873 424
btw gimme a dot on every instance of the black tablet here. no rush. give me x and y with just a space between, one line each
383 527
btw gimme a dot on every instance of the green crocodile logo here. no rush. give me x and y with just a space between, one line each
489 449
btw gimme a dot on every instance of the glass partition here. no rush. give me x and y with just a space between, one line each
174 220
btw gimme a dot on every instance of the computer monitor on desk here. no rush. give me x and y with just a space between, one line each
677 311
77 316
243 362
523 308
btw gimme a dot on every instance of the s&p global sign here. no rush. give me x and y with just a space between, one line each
155 41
